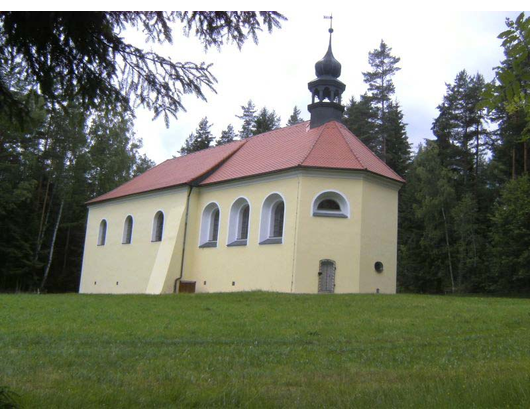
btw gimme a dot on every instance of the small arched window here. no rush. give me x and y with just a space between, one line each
330 204
272 220
127 230
210 226
158 227
102 236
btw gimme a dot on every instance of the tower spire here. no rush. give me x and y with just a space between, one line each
326 89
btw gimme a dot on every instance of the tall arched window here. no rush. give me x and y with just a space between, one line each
158 227
277 220
127 230
239 223
210 226
214 226
272 220
102 236
243 220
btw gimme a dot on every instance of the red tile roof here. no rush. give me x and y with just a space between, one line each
330 146
173 172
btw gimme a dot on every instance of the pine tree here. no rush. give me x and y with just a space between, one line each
201 140
381 87
360 117
510 238
295 117
398 147
227 136
460 128
426 260
266 121
249 118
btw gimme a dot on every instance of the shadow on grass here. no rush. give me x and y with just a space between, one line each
8 399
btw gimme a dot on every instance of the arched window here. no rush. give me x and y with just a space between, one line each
210 226
330 204
127 230
102 237
277 220
272 220
158 227
239 223
214 226
243 220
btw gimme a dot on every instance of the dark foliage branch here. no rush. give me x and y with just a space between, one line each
83 55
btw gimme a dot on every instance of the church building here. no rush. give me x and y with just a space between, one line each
303 209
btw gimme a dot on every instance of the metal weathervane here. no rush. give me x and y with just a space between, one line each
330 17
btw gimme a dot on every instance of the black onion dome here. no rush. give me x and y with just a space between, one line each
328 66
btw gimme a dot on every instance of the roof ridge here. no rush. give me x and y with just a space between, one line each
221 163
371 151
312 146
343 138
351 148
205 150
276 129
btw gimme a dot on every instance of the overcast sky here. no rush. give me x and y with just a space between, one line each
433 47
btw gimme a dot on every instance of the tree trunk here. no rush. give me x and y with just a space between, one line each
525 159
41 225
448 251
513 162
65 260
52 246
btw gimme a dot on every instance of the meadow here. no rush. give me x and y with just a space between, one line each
261 350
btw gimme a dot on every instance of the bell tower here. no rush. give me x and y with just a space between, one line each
326 90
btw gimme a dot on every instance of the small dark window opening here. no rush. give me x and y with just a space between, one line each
214 230
277 220
379 266
243 220
159 227
102 237
328 205
127 230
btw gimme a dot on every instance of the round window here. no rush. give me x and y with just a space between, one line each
378 266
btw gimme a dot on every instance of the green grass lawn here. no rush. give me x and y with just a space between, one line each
265 350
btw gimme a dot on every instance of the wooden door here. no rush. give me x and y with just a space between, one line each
326 282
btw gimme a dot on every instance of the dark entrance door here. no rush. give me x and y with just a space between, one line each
326 280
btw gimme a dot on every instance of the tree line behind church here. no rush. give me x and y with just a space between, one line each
464 213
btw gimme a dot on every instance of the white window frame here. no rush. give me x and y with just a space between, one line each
234 222
266 219
153 232
206 225
104 241
337 196
124 236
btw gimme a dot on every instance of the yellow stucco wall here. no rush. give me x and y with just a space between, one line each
369 234
142 266
336 239
251 267
379 236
